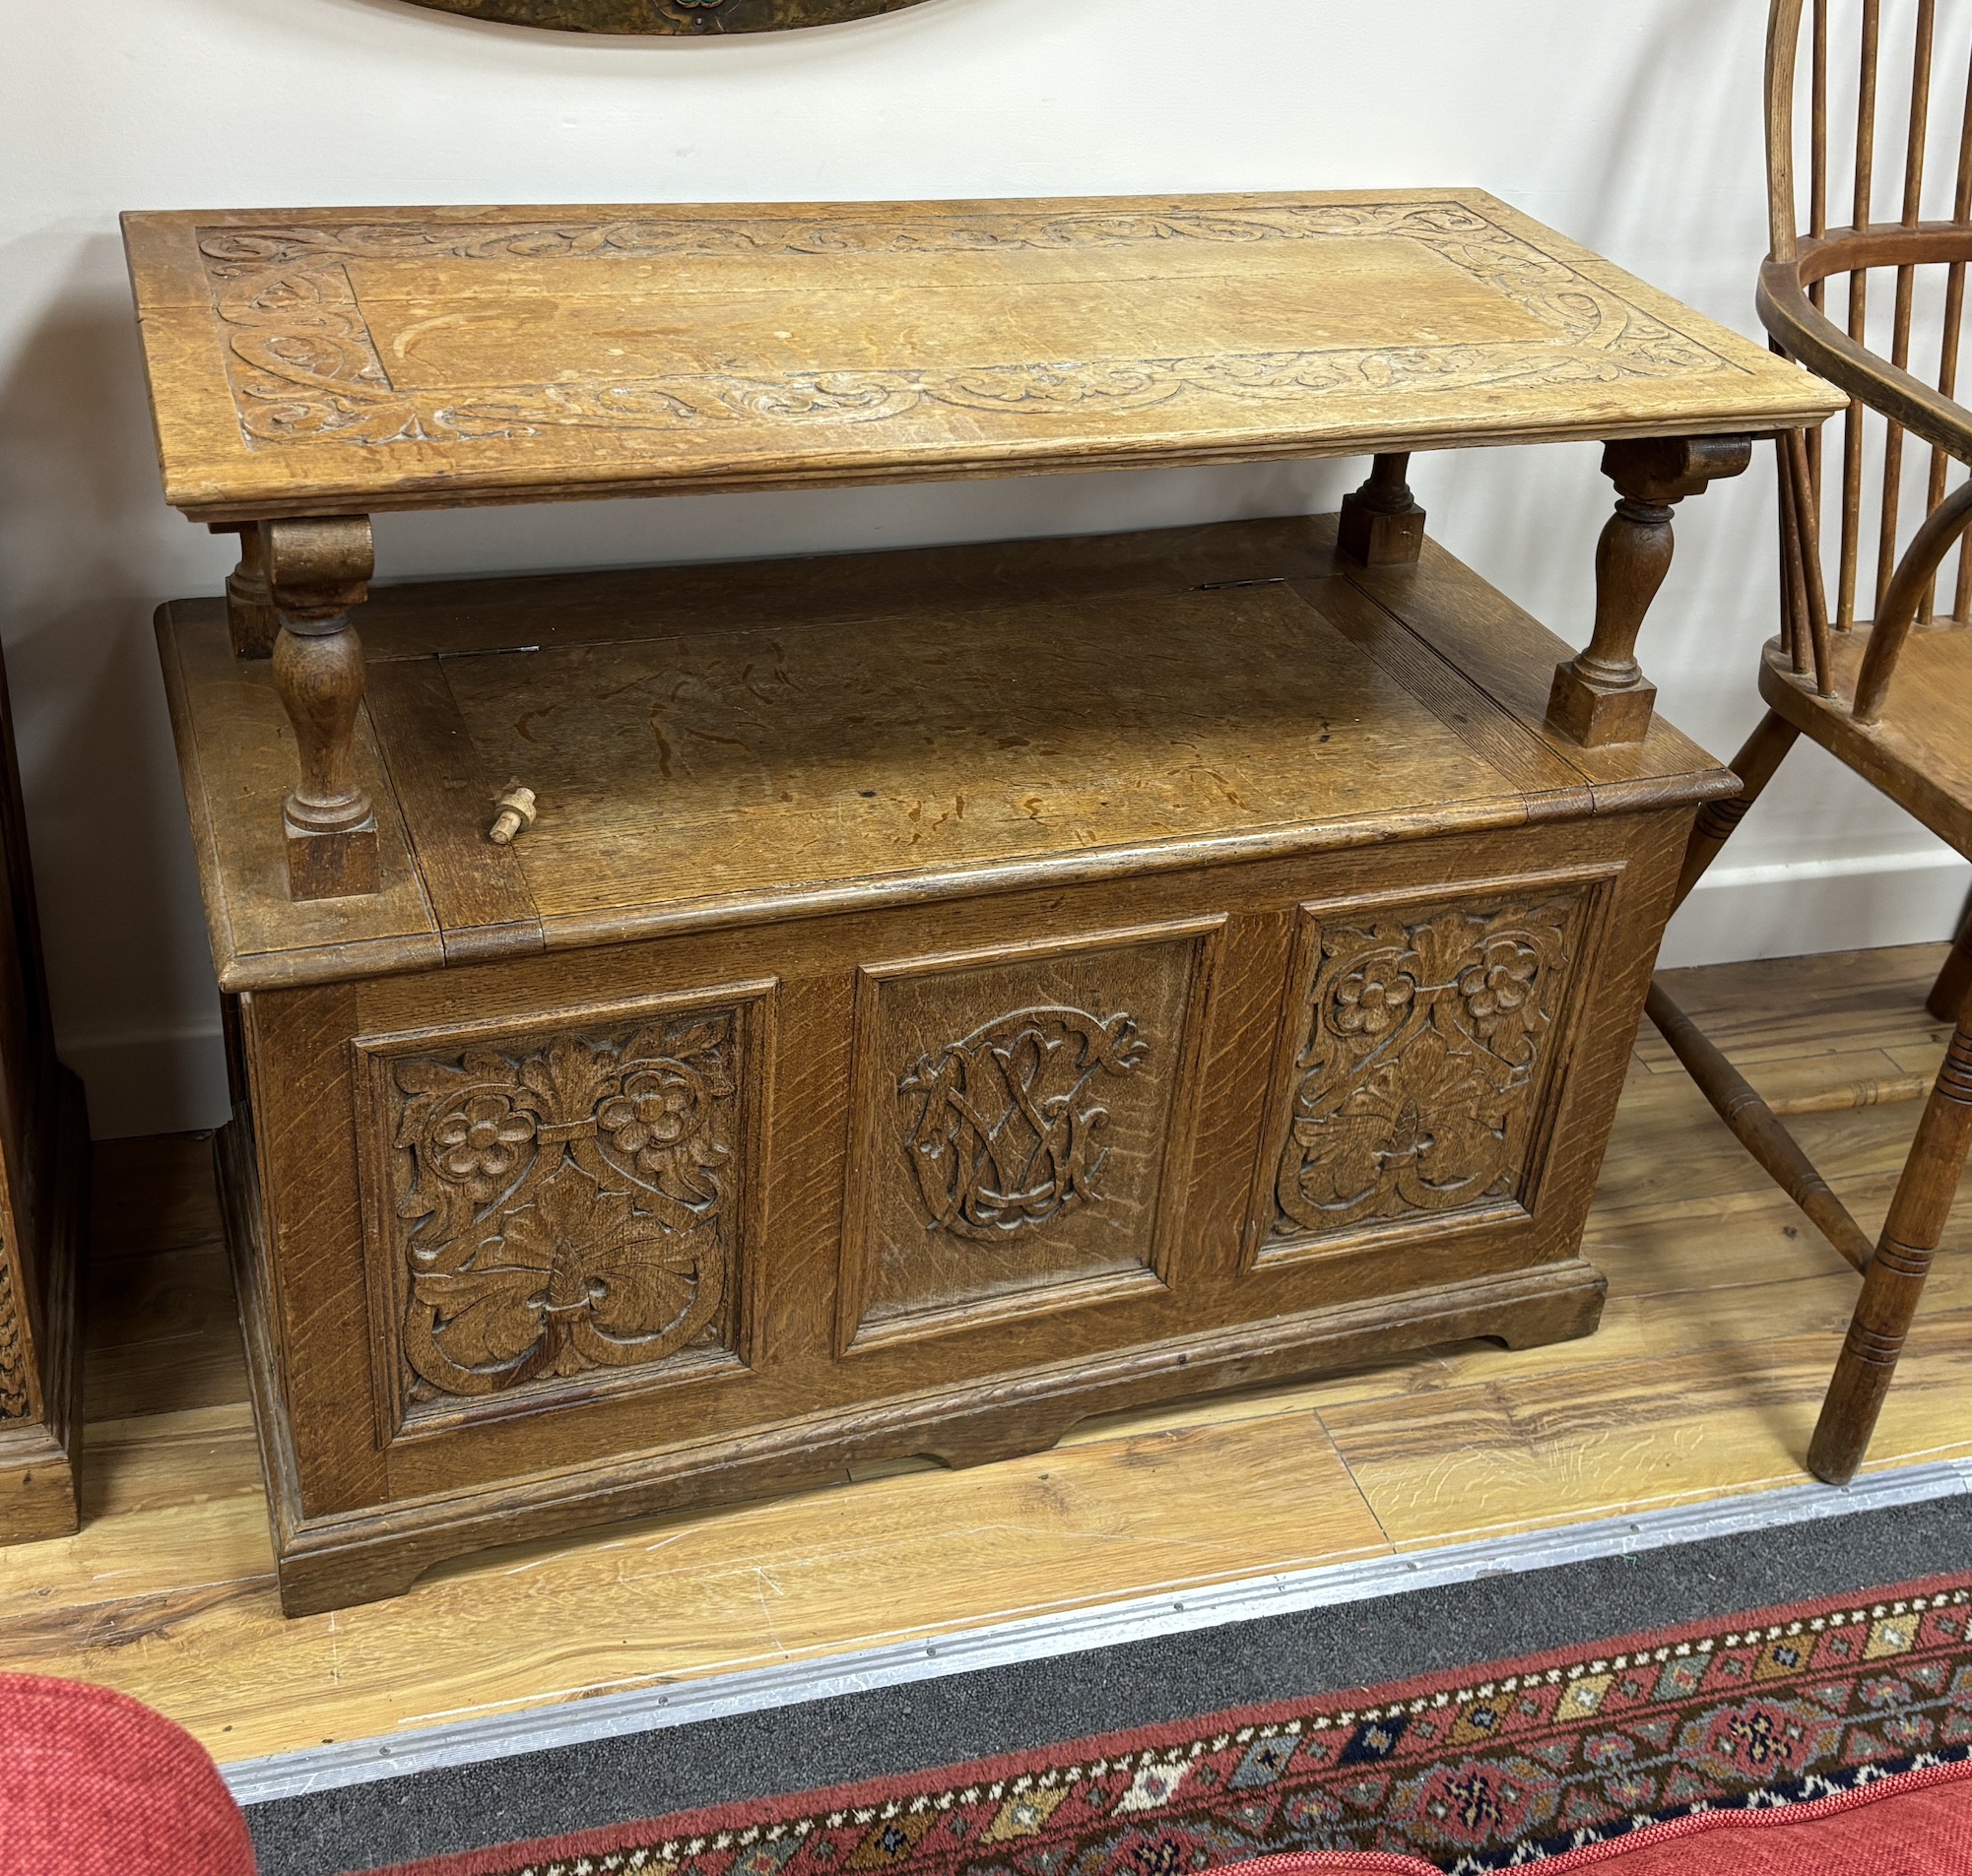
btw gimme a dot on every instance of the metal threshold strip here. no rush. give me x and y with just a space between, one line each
684 1703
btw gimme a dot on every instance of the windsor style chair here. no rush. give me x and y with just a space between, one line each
1889 694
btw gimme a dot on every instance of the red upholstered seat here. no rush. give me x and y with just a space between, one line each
92 1782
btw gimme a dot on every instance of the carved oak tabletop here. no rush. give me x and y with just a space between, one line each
311 367
330 362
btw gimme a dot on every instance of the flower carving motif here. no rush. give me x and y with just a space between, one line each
1418 1085
657 1109
1498 986
569 1204
480 1143
1373 999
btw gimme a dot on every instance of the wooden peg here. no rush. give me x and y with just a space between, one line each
518 814
1599 696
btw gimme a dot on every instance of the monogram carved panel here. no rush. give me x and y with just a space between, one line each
1020 1125
1004 1130
1427 1040
560 1207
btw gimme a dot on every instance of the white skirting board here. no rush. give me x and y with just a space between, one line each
166 1081
1787 910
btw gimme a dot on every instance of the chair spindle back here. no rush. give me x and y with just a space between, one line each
1902 94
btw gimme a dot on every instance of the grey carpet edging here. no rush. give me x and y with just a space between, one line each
671 1703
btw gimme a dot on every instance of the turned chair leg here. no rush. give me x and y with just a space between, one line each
1757 762
1946 1000
1895 1277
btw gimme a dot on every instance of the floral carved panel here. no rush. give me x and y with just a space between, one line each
1020 1121
1428 1041
563 1207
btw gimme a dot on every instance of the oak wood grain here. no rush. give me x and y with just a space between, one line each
988 830
540 354
881 730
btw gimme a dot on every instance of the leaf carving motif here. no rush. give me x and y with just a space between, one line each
304 368
13 1353
570 1206
1005 1136
1425 1047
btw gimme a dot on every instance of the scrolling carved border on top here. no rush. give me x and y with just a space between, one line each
304 368
666 15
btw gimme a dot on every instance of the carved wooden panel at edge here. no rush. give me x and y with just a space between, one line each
44 1205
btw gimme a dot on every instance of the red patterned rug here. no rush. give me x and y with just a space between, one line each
1908 1824
1494 1766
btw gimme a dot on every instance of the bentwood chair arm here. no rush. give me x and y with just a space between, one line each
1799 262
1809 336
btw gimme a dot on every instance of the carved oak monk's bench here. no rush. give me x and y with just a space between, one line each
696 1029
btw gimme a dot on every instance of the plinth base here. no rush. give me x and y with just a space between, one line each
1597 718
331 865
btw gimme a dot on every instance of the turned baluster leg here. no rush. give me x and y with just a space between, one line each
1895 1277
1599 696
1381 523
317 571
251 621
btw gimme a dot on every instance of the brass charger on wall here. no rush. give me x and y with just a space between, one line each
666 15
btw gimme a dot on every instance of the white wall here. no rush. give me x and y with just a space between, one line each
1631 127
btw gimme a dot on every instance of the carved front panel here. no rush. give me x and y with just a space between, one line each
1016 1128
15 1402
560 1207
1427 1038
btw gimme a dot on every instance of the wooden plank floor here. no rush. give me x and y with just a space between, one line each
1725 1313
